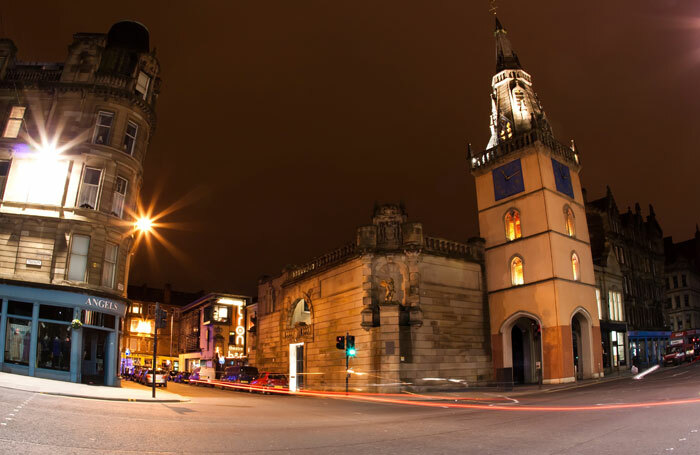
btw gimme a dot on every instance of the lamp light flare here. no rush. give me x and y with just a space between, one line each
144 224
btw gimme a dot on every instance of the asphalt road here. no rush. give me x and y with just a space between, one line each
221 421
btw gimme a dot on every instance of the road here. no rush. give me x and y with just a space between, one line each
222 421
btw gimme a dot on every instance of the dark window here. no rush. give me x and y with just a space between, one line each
4 170
130 137
103 127
675 282
98 319
57 313
678 301
684 282
686 300
19 308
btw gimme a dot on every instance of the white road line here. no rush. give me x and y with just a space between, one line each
678 374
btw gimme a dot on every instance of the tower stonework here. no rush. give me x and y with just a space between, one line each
539 271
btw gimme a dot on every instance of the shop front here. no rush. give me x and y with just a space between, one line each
59 334
647 348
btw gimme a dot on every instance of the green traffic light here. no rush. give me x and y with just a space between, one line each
352 352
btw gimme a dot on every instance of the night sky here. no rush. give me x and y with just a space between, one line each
280 123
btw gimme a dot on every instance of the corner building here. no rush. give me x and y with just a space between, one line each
539 270
73 139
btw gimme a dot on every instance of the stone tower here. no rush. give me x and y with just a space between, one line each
543 314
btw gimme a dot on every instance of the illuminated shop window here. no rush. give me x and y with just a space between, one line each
516 271
576 266
77 263
14 122
570 222
103 127
119 197
142 84
89 188
130 137
513 225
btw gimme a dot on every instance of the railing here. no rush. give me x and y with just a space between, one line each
33 74
523 140
327 259
113 80
454 249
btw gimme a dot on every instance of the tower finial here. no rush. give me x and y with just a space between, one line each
506 59
493 7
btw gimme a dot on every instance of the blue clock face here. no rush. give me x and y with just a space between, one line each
508 180
562 177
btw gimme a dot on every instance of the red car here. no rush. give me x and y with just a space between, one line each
274 380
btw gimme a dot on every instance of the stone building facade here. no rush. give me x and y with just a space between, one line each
637 246
682 307
74 136
415 305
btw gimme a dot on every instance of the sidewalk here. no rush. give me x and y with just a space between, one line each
69 389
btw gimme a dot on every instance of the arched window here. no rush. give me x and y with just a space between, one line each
570 222
513 225
576 266
516 271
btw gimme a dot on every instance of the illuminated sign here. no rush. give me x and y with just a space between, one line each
235 302
240 327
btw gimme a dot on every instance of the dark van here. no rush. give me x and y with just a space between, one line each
241 374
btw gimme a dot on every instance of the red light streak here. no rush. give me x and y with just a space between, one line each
384 398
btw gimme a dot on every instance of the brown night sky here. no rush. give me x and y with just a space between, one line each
282 122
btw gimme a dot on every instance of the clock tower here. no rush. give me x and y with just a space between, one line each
544 319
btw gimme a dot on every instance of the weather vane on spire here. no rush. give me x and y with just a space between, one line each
493 7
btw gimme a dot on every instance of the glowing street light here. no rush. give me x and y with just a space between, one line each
144 225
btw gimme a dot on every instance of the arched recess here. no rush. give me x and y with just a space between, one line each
522 346
582 343
300 313
512 224
569 221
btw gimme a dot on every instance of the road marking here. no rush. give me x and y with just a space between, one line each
693 431
682 439
678 374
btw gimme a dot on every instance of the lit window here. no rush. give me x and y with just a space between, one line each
4 170
14 122
513 225
597 298
576 267
89 188
119 197
142 84
130 137
136 308
77 263
103 127
516 271
570 225
221 313
109 267
615 306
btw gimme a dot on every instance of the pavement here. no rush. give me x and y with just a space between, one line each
128 392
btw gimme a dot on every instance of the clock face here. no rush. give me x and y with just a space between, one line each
562 177
508 180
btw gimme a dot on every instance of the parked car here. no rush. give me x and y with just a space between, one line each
137 374
172 374
274 380
182 377
240 374
160 375
194 376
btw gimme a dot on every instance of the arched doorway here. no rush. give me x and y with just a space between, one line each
582 345
522 348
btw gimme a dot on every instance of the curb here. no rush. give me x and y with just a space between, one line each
91 397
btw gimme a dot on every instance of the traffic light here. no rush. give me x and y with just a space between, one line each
161 318
340 342
351 346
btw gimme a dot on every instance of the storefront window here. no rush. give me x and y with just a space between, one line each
17 341
98 319
19 308
53 346
57 313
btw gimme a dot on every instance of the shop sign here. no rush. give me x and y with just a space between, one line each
103 304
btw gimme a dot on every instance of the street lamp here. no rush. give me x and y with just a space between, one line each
143 225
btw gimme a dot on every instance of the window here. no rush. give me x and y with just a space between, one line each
103 127
668 303
570 224
130 137
678 301
513 225
675 282
516 271
615 306
597 298
136 308
109 267
119 197
98 319
686 300
668 283
221 313
14 122
4 170
576 267
684 281
56 313
53 346
89 188
142 84
77 263
18 340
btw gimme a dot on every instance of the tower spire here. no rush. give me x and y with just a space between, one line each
506 58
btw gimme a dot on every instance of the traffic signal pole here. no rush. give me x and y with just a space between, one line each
347 365
155 347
